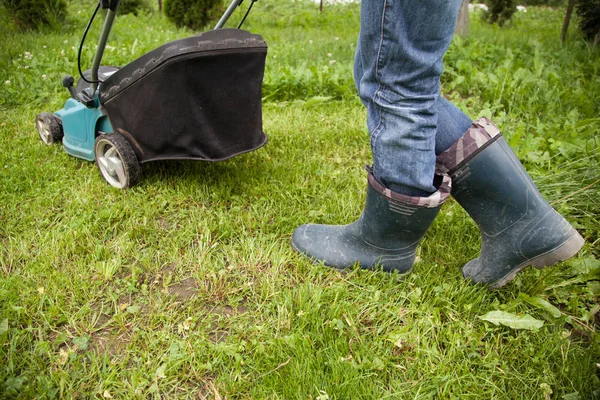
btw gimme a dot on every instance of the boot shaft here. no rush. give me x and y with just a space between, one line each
495 189
390 218
489 181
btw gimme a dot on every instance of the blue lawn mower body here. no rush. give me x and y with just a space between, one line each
196 98
80 125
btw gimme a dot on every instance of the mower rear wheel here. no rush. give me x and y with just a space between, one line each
49 127
116 160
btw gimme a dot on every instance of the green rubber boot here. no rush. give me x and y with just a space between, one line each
518 227
385 236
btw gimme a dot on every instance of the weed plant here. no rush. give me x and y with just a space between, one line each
185 286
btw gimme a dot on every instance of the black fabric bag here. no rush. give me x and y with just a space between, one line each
195 98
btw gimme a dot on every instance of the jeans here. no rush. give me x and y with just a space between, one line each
397 73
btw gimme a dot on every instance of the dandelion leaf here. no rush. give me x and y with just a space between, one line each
541 303
512 320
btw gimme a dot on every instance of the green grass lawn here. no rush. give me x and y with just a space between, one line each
185 286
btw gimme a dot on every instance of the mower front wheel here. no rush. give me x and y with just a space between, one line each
116 160
49 127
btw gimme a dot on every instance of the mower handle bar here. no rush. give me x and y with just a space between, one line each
227 14
112 6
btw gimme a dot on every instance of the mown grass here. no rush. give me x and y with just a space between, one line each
185 286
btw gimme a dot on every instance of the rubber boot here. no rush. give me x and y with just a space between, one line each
385 236
518 227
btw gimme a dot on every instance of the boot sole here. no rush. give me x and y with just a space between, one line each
316 261
563 252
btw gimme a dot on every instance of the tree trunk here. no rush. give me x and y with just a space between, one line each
462 22
568 15
159 5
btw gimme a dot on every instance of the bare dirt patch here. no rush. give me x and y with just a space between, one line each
184 290
106 342
103 340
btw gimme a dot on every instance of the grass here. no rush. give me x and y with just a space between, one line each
185 286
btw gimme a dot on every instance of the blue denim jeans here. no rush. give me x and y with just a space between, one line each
397 73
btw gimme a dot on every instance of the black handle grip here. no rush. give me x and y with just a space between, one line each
68 81
112 4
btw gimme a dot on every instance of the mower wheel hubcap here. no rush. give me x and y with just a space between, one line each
44 131
111 165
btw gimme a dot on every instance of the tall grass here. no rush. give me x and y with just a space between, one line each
185 286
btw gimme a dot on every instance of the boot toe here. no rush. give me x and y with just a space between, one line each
473 270
324 244
302 240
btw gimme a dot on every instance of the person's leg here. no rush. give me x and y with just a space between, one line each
452 122
399 63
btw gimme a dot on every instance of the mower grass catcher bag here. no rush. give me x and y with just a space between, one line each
195 98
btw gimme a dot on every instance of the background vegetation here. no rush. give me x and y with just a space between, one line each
186 287
193 14
135 6
500 11
31 14
588 12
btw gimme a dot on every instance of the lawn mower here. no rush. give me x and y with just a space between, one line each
196 98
